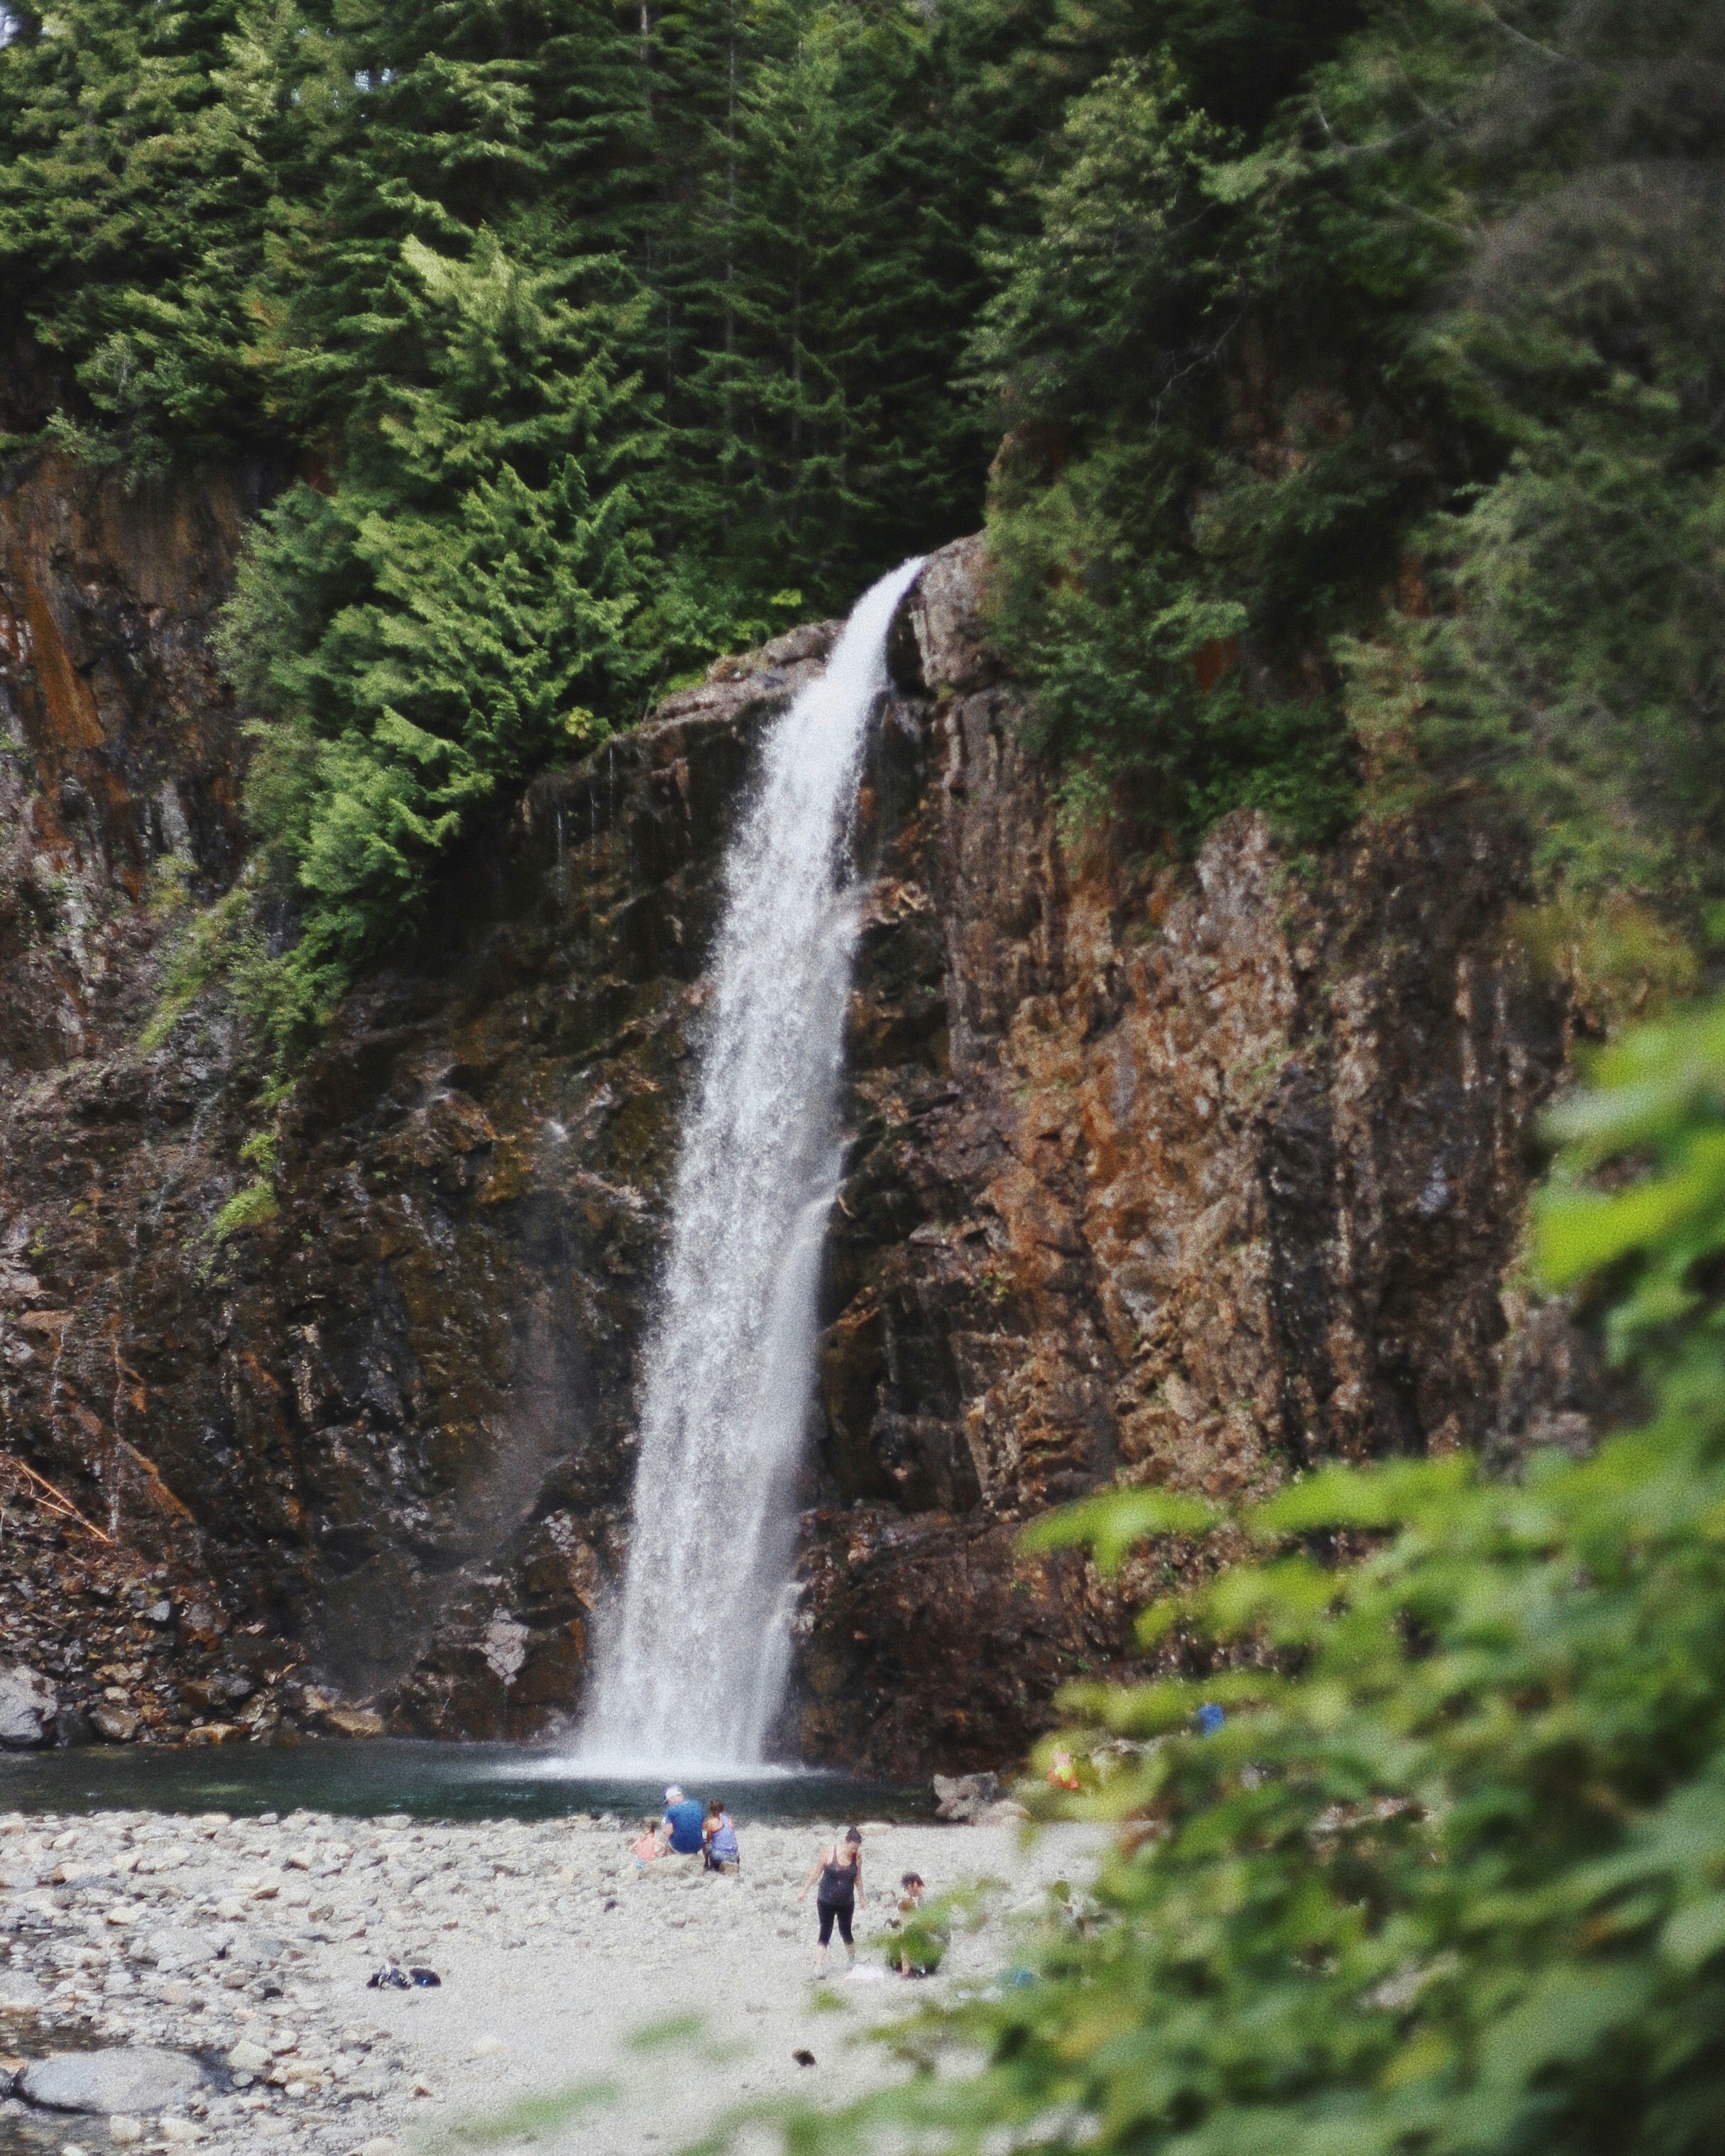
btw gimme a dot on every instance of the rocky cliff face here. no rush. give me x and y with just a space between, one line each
1193 1174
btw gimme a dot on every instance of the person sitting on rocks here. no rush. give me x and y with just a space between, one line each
682 1822
722 1853
648 1844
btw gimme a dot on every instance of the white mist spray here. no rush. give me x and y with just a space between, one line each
696 1669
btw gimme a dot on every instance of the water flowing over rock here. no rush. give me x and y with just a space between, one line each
698 1667
1191 1174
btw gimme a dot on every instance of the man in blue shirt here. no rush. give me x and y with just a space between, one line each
682 1816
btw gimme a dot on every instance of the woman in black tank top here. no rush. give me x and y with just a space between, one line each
839 1869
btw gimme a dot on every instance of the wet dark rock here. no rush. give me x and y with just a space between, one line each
939 644
202 1625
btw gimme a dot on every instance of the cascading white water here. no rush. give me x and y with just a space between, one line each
695 1669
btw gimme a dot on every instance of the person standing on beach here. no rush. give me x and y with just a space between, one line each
839 1869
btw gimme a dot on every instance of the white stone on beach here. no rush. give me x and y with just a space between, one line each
135 2078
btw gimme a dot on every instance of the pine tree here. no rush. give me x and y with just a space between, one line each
820 308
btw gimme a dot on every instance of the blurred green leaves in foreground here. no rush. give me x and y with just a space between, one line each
1452 1875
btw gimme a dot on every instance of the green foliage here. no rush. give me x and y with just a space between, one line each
1658 1097
1358 365
1451 1878
457 606
140 148
818 297
250 1206
203 948
1112 1524
601 339
1368 441
1575 656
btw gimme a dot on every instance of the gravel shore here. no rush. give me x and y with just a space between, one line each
247 1942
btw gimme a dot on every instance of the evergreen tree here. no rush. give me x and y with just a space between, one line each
821 298
142 148
456 606
1344 354
1270 394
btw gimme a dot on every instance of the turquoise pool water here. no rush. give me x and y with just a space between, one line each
420 1780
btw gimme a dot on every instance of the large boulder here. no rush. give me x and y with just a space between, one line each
139 2078
965 1798
26 1705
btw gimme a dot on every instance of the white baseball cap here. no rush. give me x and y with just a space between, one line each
673 1795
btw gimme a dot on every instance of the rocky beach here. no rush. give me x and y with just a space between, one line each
202 1981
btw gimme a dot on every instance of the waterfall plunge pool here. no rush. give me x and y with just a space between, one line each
418 1780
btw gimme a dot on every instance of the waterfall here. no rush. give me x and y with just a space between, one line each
694 1670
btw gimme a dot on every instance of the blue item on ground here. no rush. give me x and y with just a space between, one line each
1210 1718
